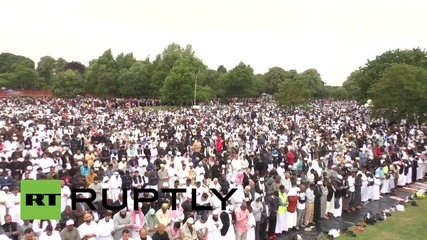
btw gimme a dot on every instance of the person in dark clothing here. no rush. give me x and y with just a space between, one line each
274 206
317 203
161 234
11 229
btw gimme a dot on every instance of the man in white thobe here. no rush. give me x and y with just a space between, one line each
115 183
89 229
3 202
214 225
14 206
65 195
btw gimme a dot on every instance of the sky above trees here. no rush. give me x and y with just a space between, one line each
334 37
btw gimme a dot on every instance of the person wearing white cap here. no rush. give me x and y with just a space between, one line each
70 232
187 231
214 225
30 172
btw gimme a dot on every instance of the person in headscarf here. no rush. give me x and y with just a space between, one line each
228 219
151 222
138 218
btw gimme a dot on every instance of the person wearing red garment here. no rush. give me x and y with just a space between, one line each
290 157
292 207
219 144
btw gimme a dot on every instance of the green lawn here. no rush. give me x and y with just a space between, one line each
410 225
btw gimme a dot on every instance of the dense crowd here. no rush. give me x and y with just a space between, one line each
292 168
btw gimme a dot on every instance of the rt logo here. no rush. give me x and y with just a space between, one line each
40 199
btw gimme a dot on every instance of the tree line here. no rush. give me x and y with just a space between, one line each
395 81
172 76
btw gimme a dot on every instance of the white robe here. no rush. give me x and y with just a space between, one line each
3 209
39 230
420 169
55 236
214 232
15 209
115 187
65 195
251 231
92 228
107 228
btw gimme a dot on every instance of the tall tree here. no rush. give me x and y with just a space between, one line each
401 92
77 66
274 78
292 94
312 81
374 69
60 65
102 75
68 84
46 70
222 69
240 81
134 82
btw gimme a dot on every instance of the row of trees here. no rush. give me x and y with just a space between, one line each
396 81
172 75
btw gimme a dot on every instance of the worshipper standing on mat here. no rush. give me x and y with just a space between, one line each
292 205
317 217
282 217
227 230
364 189
351 190
324 199
257 210
274 204
242 222
358 191
338 197
330 199
252 225
376 188
309 205
301 205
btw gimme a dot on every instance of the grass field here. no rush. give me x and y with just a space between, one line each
407 225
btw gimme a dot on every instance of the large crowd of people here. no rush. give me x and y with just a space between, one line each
292 168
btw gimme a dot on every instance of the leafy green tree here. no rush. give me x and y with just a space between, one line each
135 81
312 81
46 70
60 65
164 63
178 87
351 85
374 69
79 67
9 62
274 78
401 92
222 69
336 92
292 94
102 75
68 84
240 81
